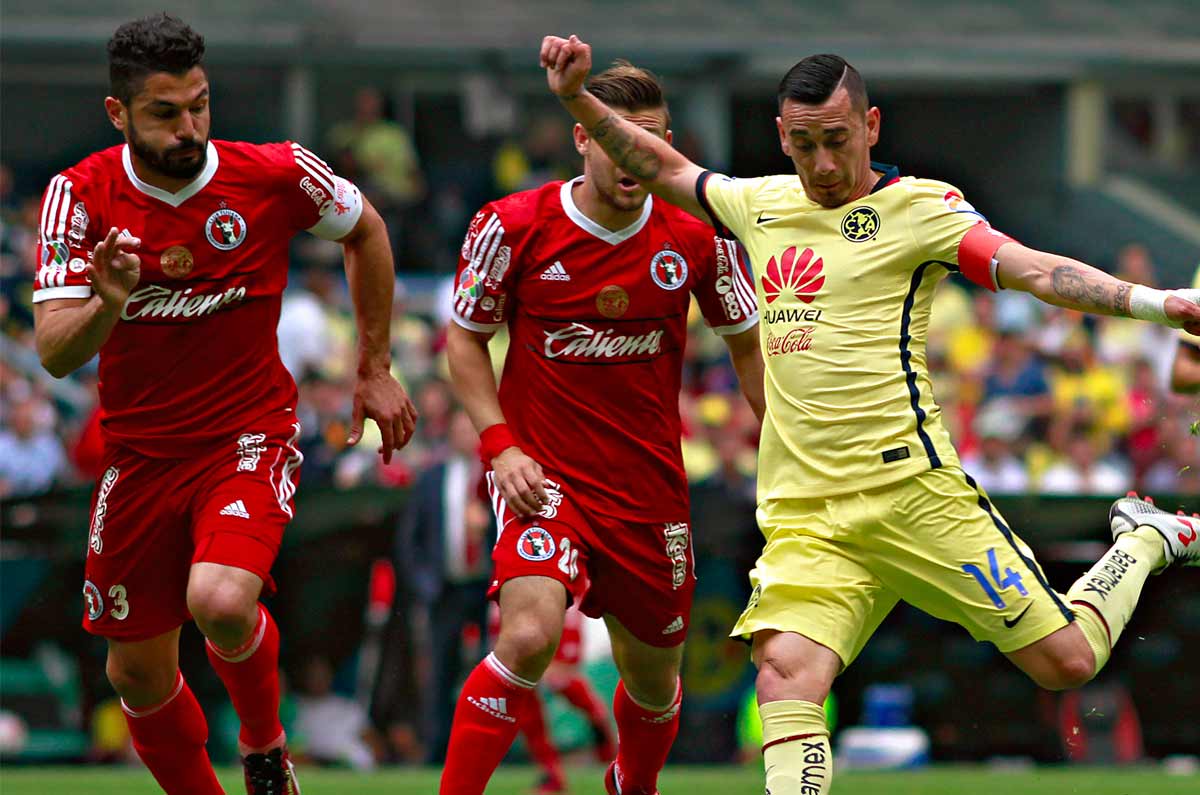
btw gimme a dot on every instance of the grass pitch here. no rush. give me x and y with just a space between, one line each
675 781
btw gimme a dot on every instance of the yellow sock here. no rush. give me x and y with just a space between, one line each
796 750
1103 599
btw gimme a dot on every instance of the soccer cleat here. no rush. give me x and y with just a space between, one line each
1180 533
612 788
271 773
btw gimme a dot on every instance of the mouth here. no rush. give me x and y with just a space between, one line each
628 184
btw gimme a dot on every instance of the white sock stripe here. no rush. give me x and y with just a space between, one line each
260 632
655 709
145 713
502 671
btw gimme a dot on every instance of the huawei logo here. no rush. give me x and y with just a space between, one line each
801 275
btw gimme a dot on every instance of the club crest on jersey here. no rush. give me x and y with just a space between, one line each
536 544
225 229
669 269
860 224
612 301
92 600
176 262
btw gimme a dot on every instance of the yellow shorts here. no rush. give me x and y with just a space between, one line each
833 568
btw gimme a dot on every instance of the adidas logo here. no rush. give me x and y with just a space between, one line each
556 273
674 626
496 707
236 508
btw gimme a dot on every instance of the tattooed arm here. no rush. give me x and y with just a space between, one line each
643 156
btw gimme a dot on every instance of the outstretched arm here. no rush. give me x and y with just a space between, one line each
746 355
1185 371
643 156
1066 282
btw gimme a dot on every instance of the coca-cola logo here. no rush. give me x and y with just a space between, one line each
580 341
156 301
801 276
794 341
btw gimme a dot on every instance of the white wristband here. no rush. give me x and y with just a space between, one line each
1146 303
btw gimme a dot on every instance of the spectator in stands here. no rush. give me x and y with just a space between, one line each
31 456
995 465
1015 375
333 729
1086 468
305 339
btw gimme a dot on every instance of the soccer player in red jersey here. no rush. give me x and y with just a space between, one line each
168 256
592 278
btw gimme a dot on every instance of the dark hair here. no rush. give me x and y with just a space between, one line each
629 87
158 43
814 79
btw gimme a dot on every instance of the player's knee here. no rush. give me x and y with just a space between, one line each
224 614
139 682
1067 672
782 677
529 641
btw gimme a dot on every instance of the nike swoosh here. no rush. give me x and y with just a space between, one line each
1010 623
762 220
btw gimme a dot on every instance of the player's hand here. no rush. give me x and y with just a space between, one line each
520 479
380 397
1183 309
567 63
115 269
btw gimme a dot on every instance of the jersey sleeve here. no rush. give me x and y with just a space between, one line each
727 201
318 200
67 235
724 291
949 230
483 284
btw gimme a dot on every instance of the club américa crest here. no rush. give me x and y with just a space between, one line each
669 269
225 229
536 544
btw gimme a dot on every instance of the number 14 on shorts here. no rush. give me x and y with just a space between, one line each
1011 578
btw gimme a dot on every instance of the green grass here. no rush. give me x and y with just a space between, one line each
676 781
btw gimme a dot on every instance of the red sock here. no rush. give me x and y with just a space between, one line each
485 724
169 737
579 693
644 737
251 675
533 725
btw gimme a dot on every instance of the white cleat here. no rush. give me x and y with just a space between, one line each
1180 533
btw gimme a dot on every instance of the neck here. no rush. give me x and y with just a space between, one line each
587 199
865 184
156 178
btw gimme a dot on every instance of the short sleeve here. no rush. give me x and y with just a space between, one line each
948 229
724 291
67 234
483 282
320 201
726 200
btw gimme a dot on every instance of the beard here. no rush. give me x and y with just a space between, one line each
170 162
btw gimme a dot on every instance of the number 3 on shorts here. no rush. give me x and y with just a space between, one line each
120 609
568 562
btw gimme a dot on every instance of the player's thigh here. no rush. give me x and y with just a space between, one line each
810 580
946 550
139 548
650 672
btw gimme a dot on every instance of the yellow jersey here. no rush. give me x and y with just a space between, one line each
844 296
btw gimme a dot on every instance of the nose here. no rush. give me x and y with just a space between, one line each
824 161
186 131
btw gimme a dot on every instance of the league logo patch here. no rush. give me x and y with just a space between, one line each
956 203
612 301
536 544
469 285
669 269
55 254
860 224
225 229
92 600
176 262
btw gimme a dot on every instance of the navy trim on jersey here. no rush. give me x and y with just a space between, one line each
914 394
701 182
1194 346
1008 536
890 175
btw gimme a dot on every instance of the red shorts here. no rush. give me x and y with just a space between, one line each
152 518
642 574
570 643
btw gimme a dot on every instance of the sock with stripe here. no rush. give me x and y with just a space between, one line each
1103 599
645 735
796 752
532 722
251 675
169 737
485 725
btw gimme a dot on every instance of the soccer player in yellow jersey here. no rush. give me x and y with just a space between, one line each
1185 371
862 501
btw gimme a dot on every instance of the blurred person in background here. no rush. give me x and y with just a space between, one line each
1089 464
1016 376
996 466
1121 341
31 456
853 445
167 256
333 727
593 280
1185 369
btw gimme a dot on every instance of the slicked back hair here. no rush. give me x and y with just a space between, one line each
817 77
629 87
157 43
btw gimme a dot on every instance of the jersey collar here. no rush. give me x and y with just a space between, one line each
183 194
593 228
890 175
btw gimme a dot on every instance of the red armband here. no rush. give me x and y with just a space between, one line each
494 440
976 251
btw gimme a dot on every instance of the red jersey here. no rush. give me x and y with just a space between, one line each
598 325
193 359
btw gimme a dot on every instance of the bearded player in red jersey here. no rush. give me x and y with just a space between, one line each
168 256
592 277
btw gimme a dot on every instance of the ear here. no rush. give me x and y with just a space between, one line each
783 139
873 119
581 139
115 110
670 137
